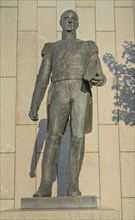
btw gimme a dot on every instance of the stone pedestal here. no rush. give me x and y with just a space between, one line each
68 202
60 208
61 214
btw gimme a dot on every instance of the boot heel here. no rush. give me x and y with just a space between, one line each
45 190
73 194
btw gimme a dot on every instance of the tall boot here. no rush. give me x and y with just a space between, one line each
76 156
49 163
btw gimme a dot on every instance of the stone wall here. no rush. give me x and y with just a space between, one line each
108 169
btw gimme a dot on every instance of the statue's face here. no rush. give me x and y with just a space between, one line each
69 21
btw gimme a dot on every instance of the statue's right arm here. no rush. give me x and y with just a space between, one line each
40 85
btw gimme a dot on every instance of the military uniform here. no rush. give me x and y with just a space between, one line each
71 65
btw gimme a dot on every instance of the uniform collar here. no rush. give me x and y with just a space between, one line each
68 35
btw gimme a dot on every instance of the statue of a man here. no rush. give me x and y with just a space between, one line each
73 66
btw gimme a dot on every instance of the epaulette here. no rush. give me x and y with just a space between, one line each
93 47
45 49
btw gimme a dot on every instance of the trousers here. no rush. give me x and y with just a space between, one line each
69 99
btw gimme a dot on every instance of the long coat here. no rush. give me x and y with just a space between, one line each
67 60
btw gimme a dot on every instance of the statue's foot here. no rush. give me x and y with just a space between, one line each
43 191
73 190
39 194
77 193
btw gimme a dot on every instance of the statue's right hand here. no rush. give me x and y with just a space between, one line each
33 115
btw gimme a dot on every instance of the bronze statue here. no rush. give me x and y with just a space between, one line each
73 66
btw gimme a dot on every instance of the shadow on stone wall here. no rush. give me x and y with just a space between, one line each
123 84
62 169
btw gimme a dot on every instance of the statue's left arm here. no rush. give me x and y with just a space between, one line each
98 78
41 83
93 72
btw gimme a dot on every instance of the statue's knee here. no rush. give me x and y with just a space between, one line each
77 138
77 141
54 139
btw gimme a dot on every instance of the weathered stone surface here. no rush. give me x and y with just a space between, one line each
8 23
85 3
128 207
119 3
7 176
124 29
109 166
43 35
87 31
128 174
48 3
106 93
78 214
8 99
127 137
8 3
59 202
26 74
105 15
89 177
27 15
25 142
6 204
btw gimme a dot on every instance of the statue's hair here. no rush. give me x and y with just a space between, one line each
69 12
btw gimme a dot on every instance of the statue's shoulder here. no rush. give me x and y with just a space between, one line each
89 45
47 49
92 46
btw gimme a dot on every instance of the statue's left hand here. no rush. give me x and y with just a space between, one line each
98 80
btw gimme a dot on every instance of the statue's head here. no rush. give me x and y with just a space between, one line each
69 21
